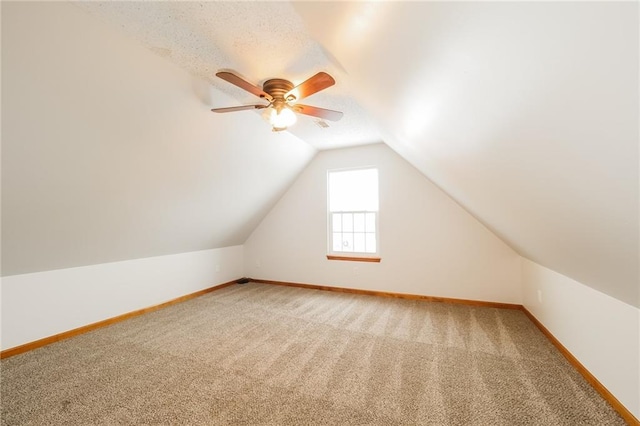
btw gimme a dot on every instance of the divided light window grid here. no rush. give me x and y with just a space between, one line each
354 232
353 211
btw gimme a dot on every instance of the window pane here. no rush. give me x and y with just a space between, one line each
353 190
358 222
337 241
337 222
347 222
370 222
358 242
347 242
371 242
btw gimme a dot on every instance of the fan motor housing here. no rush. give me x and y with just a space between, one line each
277 87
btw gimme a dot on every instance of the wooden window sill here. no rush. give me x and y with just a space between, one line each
353 258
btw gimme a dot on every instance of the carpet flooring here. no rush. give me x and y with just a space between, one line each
259 354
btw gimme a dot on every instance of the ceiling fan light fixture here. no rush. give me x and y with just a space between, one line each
283 108
282 119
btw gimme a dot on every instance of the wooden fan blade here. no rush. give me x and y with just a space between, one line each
325 114
318 82
239 108
243 84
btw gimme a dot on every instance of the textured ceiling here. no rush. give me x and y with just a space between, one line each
259 41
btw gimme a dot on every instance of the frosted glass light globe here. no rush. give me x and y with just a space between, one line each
282 120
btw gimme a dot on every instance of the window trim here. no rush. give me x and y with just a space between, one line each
373 257
376 259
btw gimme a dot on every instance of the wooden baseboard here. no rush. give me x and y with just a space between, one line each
90 327
390 294
599 387
608 396
602 390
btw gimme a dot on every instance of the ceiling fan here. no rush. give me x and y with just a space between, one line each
282 97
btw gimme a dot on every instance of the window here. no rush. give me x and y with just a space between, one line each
353 214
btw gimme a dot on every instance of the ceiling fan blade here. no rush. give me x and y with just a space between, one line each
318 82
243 84
239 108
325 114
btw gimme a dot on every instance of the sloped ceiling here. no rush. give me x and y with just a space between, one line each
526 113
110 152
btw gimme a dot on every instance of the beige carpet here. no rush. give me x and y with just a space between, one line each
263 354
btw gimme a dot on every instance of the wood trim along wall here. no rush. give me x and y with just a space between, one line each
90 327
608 396
599 387
390 294
353 258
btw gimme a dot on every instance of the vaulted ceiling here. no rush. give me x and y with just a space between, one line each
526 113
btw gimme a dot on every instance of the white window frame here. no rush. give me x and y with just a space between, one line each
353 255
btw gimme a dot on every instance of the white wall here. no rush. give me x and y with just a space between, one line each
42 304
429 245
603 333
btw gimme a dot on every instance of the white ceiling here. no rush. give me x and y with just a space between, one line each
526 113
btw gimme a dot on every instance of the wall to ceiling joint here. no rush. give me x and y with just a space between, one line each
110 152
526 113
